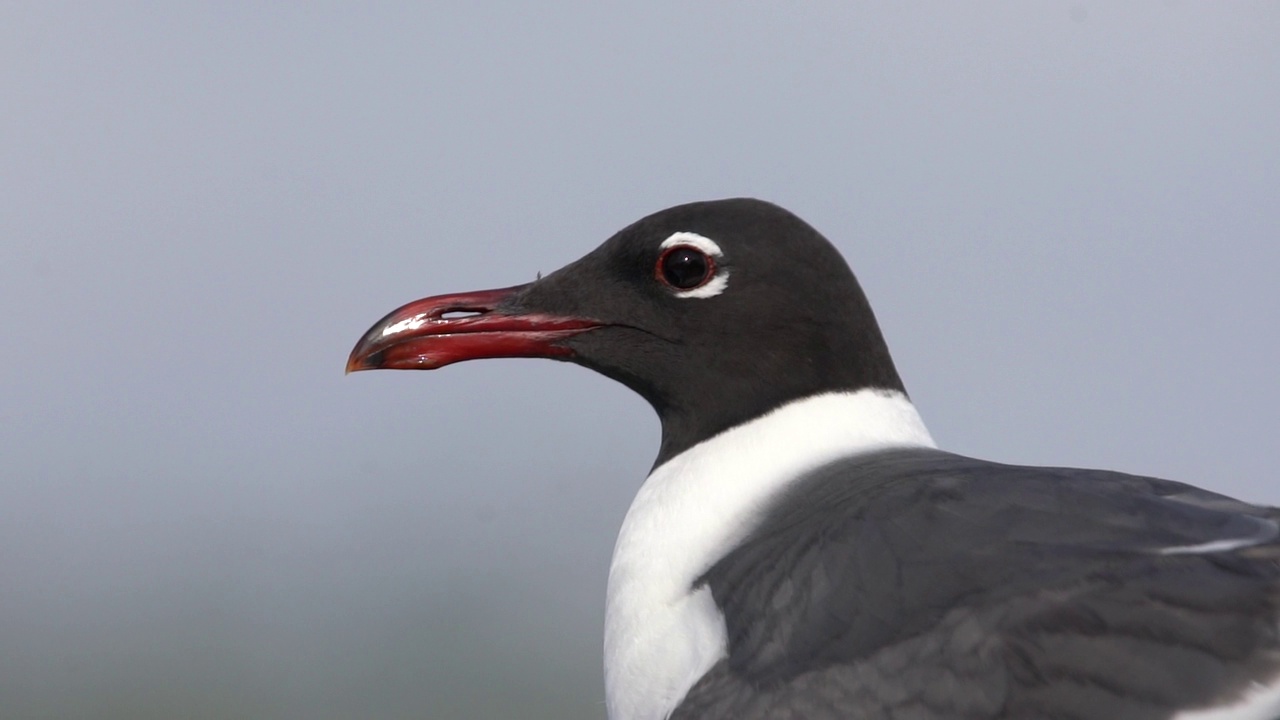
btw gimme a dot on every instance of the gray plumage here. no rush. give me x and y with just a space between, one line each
922 584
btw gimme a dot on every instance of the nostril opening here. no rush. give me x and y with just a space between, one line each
459 314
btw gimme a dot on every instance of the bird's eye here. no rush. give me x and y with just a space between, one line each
684 267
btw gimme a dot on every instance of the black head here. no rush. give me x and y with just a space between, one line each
715 312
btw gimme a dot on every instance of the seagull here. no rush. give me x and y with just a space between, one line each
802 549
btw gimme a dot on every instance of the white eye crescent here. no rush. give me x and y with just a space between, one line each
690 264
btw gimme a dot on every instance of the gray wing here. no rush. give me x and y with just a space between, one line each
920 584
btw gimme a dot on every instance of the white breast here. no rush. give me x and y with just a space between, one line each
660 635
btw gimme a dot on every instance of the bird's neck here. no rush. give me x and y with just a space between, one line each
661 634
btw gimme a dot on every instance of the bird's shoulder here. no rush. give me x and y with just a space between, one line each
965 587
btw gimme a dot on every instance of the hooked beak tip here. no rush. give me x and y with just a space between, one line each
361 360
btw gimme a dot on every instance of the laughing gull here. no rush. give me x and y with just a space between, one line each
801 549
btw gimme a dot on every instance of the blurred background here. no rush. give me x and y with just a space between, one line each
1065 213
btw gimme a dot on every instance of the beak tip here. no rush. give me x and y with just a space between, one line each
355 364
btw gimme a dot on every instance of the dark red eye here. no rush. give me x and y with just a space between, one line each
685 267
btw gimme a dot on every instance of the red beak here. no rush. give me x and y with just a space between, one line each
418 336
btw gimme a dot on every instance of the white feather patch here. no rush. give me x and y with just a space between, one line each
660 635
1260 702
1215 546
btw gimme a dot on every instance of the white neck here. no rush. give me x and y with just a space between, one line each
660 635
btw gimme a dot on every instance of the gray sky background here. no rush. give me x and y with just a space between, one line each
1066 215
